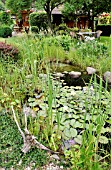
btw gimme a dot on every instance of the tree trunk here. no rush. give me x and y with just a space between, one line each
92 25
49 19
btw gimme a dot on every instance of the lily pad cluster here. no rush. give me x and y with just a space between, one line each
78 109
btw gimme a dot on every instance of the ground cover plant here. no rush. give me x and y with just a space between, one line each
74 121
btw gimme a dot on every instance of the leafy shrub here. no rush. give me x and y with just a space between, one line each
75 29
35 29
5 18
7 50
62 29
105 18
92 48
61 40
39 20
5 31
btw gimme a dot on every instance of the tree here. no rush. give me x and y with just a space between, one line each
18 5
48 6
92 7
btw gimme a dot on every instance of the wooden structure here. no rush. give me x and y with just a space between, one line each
81 20
24 21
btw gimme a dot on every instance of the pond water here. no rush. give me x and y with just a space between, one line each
63 67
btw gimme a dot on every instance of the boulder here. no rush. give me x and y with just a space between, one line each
90 70
107 76
74 74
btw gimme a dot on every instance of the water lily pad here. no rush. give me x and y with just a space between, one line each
103 139
67 133
75 116
65 109
78 139
42 113
72 122
31 99
33 104
78 125
73 132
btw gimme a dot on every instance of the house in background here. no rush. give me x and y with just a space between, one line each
81 20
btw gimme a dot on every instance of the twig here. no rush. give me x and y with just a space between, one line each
23 136
29 140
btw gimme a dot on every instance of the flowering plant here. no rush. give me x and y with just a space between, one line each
105 18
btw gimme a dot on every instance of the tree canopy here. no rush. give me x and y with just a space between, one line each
90 6
18 5
48 6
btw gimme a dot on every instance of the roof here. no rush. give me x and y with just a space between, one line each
57 10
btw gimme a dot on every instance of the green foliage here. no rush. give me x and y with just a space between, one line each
94 48
48 6
5 18
34 29
39 20
62 29
5 31
2 8
62 40
11 144
17 6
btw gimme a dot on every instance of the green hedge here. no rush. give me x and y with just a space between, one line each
34 29
105 28
5 31
5 18
39 20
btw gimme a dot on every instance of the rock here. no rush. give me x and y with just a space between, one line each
107 76
44 76
59 75
65 72
91 70
75 74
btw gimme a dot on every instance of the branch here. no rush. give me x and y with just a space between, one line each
29 140
22 134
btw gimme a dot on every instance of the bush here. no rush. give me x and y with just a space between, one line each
5 18
62 40
34 29
105 28
62 29
5 31
8 50
39 20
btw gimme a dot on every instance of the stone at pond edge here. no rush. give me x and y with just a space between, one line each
74 74
60 75
91 70
107 76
